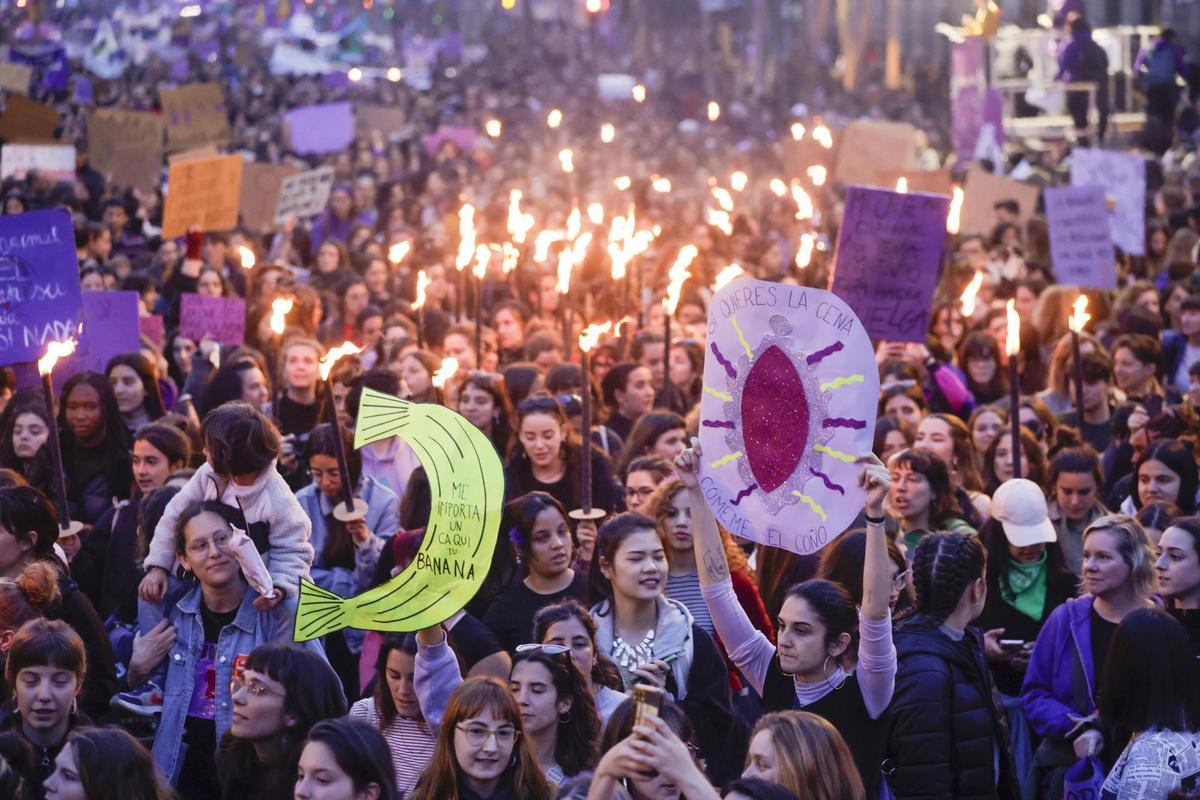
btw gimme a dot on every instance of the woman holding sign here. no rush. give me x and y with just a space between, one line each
824 643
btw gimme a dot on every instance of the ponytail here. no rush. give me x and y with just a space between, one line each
28 595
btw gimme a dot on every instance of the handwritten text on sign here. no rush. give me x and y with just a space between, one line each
39 283
304 195
888 252
204 194
1080 238
219 318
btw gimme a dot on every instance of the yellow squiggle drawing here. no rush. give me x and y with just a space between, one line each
742 338
837 383
717 393
838 454
720 462
811 504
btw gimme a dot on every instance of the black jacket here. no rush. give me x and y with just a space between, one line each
946 732
106 567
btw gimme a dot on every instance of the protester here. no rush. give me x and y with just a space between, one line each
343 760
104 762
805 754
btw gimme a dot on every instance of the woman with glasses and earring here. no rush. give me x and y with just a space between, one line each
546 456
213 623
831 659
45 667
481 751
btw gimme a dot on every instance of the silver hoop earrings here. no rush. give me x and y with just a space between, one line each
827 673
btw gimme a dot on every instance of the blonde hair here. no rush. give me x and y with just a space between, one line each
811 758
1136 551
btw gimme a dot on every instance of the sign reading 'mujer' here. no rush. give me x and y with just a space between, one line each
39 283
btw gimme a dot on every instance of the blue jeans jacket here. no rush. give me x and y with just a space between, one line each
249 629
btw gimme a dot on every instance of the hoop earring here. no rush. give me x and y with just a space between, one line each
564 717
826 672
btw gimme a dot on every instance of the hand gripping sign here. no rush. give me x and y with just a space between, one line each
466 480
790 393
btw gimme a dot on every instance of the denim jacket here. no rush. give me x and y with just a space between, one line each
249 629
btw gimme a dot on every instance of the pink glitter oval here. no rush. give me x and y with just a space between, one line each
774 418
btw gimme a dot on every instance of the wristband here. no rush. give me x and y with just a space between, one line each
879 521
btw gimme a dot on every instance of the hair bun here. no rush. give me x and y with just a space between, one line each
39 583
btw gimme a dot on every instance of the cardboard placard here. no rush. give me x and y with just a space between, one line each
154 329
219 318
15 77
27 120
39 283
983 190
888 253
260 193
1081 247
304 195
55 161
203 194
930 181
127 146
867 149
195 116
791 390
110 328
385 119
1123 176
325 128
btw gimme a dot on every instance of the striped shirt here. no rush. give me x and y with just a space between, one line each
410 741
686 589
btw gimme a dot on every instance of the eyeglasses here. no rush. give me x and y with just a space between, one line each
477 735
643 492
237 681
202 549
548 649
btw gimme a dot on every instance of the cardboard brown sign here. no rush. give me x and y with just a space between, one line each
127 146
203 194
866 149
385 119
27 120
195 116
260 193
930 181
983 190
15 77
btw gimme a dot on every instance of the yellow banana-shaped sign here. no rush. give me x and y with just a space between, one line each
466 481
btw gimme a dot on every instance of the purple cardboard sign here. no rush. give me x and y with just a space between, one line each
39 284
152 328
325 128
463 137
110 327
1081 246
888 252
219 318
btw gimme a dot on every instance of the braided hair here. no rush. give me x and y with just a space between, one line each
943 566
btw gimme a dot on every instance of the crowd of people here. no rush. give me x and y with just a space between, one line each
992 625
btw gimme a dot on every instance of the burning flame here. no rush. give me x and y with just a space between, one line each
723 197
574 223
280 308
589 337
607 132
423 282
969 294
579 248
639 93
902 185
541 245
566 159
335 355
956 203
483 254
519 223
554 118
565 265
726 276
399 251
677 275
623 183
494 128
805 251
1079 317
511 256
595 213
738 181
247 256
54 351
445 372
720 220
778 187
797 131
1012 341
466 234
804 204
817 174
661 185
714 110
823 137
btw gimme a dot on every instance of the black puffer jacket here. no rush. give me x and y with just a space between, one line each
946 733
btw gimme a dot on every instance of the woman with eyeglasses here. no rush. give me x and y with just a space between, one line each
541 537
568 624
545 456
483 400
482 752
213 623
832 659
641 477
279 691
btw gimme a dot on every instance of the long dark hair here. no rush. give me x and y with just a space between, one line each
404 643
573 448
30 400
608 541
1150 675
521 515
1178 458
1033 460
604 671
312 692
359 751
502 425
116 436
579 731
842 562
147 371
111 763
25 510
645 433
226 384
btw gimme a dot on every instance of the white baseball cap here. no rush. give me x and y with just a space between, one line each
1020 507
